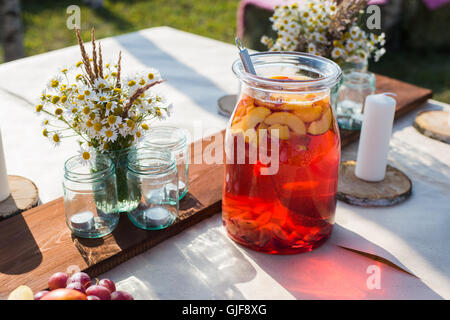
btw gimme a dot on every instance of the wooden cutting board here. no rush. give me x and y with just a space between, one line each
37 243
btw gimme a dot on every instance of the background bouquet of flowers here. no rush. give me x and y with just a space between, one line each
328 28
94 102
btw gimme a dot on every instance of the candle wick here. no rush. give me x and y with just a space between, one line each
390 94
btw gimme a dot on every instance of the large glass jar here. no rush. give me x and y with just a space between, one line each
282 154
90 197
153 183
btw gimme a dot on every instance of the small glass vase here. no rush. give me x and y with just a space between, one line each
125 202
90 197
153 180
174 140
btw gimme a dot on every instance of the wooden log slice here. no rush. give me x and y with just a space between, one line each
434 124
24 196
395 188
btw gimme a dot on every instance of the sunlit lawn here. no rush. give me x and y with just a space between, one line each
45 29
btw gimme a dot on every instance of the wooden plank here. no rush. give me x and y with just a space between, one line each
38 243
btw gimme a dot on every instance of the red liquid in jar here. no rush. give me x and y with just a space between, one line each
293 210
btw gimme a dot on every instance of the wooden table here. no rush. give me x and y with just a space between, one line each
202 262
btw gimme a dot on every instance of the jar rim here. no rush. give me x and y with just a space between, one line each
325 81
73 163
171 132
166 166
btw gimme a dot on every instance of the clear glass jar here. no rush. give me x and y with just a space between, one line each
174 140
282 154
120 159
90 197
153 180
356 86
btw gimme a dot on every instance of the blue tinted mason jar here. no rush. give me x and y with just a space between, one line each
90 197
152 181
174 140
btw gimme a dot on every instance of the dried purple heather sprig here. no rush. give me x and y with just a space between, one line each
136 95
85 57
118 70
94 54
346 14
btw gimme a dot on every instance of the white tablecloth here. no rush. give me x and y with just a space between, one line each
201 262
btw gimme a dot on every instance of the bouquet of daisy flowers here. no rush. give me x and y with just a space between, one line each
327 28
108 112
94 102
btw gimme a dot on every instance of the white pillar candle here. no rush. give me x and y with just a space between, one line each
376 132
4 185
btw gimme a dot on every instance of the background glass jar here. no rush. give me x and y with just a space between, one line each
356 86
283 152
153 180
174 140
90 197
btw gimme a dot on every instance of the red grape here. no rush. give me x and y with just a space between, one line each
58 280
93 298
40 294
99 291
121 295
80 277
108 284
76 286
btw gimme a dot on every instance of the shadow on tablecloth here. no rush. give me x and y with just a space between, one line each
184 78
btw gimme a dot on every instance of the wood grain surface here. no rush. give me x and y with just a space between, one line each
395 188
434 124
37 243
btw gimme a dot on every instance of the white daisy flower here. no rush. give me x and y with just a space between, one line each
337 53
102 97
355 32
312 48
113 121
379 54
55 138
138 135
109 134
101 84
350 45
55 82
86 156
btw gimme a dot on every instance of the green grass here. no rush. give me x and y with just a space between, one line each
45 20
45 29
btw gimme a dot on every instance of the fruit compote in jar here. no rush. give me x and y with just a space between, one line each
282 154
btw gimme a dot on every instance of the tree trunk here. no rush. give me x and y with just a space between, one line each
11 29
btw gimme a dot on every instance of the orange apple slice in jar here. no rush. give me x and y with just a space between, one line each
254 117
288 119
309 113
322 125
282 133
